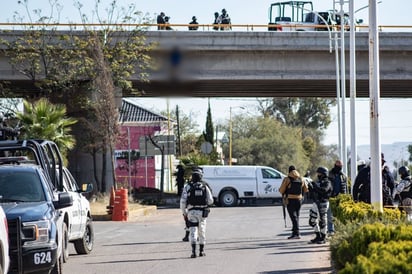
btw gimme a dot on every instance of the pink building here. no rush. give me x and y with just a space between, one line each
138 125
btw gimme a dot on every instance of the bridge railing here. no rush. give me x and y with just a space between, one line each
202 27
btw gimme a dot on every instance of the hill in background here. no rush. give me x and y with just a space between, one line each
393 152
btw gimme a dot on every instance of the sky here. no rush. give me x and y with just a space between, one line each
395 116
240 11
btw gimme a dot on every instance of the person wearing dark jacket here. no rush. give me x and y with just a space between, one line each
292 189
161 21
362 185
339 184
404 190
194 25
321 190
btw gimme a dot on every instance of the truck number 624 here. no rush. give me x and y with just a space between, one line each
42 257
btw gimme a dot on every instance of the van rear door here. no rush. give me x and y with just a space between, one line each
268 182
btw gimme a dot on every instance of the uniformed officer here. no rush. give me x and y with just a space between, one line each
194 203
320 190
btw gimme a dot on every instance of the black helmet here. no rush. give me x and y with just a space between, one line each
322 170
194 18
403 171
197 174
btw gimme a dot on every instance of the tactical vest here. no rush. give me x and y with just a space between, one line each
196 196
295 187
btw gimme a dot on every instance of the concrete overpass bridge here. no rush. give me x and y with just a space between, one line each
263 64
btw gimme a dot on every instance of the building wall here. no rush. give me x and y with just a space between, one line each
146 171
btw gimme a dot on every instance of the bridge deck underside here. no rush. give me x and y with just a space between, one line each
251 88
270 88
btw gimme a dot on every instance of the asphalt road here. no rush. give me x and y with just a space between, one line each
239 240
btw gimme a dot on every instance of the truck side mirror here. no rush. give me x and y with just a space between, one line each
87 188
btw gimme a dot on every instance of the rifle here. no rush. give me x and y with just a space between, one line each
284 197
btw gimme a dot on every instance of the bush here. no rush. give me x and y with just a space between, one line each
358 226
391 257
357 243
346 210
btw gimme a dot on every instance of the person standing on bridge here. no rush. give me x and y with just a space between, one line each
194 203
217 21
292 189
194 25
167 23
161 21
225 20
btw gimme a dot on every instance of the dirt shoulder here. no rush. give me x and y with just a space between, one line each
141 205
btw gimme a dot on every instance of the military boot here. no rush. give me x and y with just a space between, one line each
321 239
316 239
193 251
186 238
201 252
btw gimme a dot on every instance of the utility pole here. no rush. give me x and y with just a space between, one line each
374 98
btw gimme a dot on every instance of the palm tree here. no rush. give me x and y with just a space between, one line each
44 120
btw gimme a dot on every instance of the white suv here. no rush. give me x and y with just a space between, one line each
4 243
78 226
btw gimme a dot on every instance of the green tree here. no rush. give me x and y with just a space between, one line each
188 129
43 120
298 112
209 132
266 141
312 116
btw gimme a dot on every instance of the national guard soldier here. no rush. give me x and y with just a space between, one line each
194 203
404 190
321 190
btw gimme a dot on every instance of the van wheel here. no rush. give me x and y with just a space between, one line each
228 198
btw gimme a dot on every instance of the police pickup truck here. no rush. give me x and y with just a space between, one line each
44 208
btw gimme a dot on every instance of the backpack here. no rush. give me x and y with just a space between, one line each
196 196
295 186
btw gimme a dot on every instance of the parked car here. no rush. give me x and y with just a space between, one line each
35 224
4 243
229 184
78 226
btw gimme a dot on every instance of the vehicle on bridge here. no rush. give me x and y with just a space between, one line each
300 16
286 15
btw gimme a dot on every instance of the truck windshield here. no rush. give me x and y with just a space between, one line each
289 11
270 174
20 187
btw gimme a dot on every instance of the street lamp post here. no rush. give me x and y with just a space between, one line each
352 71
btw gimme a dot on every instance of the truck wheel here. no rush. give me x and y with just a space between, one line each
85 244
228 198
65 248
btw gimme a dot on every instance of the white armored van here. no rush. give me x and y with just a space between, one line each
230 184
